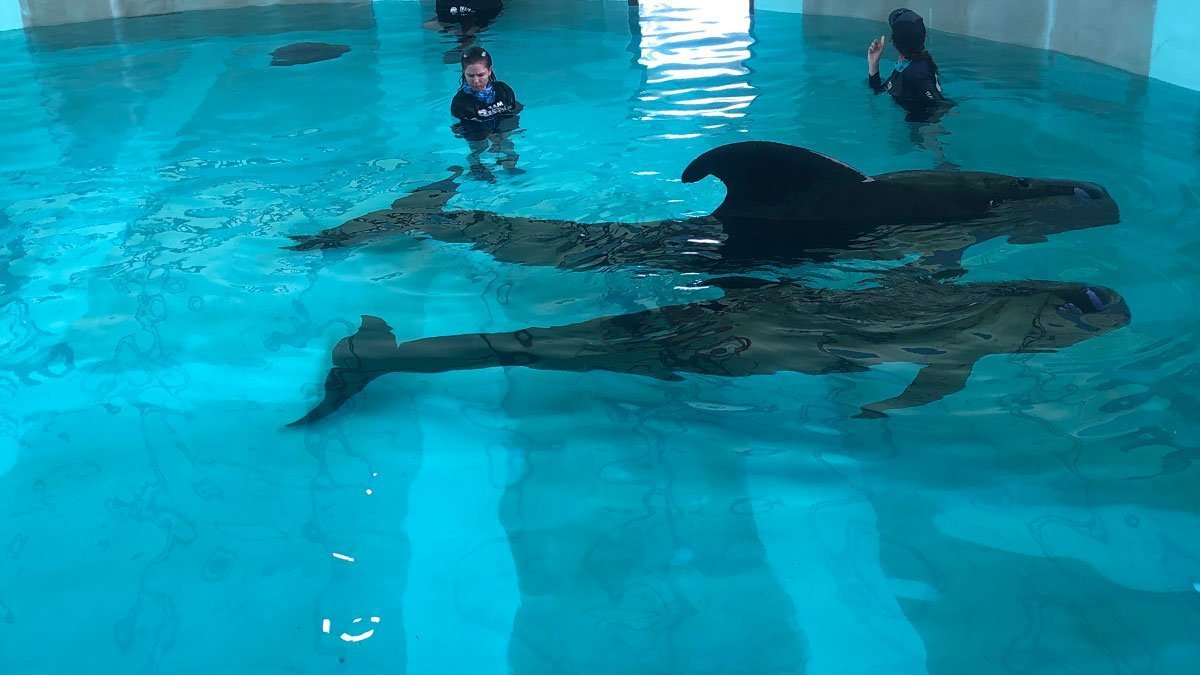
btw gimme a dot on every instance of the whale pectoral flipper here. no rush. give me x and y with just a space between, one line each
932 383
350 232
304 242
404 213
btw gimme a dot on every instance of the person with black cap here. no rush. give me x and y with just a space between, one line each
914 82
486 109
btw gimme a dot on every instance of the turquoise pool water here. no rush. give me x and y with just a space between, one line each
158 518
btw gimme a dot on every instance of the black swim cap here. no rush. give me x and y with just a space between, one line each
476 54
908 31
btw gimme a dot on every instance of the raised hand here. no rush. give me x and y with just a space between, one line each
873 53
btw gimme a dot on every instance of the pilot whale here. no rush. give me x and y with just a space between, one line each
784 205
760 327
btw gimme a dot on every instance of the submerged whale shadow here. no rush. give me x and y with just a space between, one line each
301 53
760 327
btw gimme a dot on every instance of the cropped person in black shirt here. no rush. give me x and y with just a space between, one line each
914 82
464 18
470 14
487 111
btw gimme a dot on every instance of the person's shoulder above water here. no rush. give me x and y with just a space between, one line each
506 94
921 80
462 105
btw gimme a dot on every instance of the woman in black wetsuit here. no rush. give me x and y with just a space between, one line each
486 109
914 82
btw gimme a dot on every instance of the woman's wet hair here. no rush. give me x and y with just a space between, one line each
476 54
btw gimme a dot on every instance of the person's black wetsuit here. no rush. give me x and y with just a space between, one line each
478 120
915 87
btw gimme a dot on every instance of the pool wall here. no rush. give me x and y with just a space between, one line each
31 13
1146 37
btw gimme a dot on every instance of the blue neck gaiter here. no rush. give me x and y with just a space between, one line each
487 96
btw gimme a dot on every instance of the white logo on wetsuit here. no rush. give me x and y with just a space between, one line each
494 109
461 10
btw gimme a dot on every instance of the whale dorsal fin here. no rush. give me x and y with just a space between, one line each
762 173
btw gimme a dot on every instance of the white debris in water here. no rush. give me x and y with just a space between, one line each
340 556
358 638
718 407
361 636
